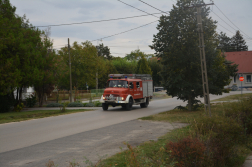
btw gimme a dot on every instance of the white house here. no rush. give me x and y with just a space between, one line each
244 61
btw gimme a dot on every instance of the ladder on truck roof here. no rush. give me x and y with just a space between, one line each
131 76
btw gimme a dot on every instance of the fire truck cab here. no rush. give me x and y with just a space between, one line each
127 90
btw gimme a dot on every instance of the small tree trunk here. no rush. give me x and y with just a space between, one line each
190 103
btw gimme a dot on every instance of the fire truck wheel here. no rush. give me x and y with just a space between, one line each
129 105
144 105
104 106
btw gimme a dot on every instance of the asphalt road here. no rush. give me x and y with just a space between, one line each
33 142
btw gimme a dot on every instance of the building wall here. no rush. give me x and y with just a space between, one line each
247 83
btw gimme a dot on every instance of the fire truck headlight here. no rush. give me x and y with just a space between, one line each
103 98
122 98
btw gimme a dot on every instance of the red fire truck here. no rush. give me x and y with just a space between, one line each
127 90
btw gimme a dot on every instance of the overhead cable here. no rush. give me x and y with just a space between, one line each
231 21
137 8
125 31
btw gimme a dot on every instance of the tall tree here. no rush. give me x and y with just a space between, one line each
84 65
224 42
176 44
124 66
48 68
135 55
156 67
20 52
103 51
238 43
143 67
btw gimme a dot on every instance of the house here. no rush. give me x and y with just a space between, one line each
244 61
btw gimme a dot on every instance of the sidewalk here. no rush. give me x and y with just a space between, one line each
248 162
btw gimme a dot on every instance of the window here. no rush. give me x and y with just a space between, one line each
234 79
117 84
138 85
131 85
248 78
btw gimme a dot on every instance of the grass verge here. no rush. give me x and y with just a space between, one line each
221 140
26 115
234 97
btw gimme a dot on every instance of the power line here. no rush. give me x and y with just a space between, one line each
231 21
153 7
136 8
223 20
125 31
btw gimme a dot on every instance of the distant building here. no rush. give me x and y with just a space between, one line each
244 61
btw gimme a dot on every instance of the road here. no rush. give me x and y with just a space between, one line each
21 141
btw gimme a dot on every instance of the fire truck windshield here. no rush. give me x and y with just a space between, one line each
117 84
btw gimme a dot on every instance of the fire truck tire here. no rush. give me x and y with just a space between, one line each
144 105
128 106
104 106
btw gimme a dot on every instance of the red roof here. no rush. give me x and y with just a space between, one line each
243 59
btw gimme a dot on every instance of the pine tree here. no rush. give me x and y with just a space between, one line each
238 43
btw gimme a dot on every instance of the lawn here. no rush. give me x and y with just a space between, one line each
27 115
234 97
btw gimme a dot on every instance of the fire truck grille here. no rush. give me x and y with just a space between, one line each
111 96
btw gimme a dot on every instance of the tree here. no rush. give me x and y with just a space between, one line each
20 53
135 55
156 67
48 69
224 42
84 65
103 51
143 67
238 43
124 66
176 44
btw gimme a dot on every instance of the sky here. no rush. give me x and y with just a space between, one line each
231 15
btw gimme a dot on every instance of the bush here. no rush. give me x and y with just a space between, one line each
54 105
220 134
75 104
6 102
242 113
187 152
97 104
31 101
19 107
90 105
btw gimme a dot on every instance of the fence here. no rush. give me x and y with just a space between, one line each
77 95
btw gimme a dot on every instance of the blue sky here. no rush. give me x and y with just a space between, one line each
49 12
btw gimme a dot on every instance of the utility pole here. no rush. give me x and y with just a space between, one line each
203 57
70 93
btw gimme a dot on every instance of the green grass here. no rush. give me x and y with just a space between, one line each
26 115
234 97
157 95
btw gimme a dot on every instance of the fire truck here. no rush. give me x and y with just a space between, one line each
126 90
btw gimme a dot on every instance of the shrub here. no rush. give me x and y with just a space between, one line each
90 105
74 104
54 105
97 104
19 107
242 113
220 135
84 104
187 152
31 101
